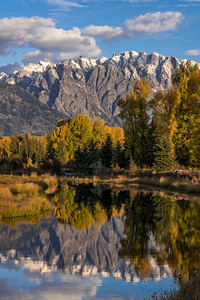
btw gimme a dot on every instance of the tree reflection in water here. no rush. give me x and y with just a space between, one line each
163 229
158 230
83 206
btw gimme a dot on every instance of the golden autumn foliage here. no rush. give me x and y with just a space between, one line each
5 147
78 131
69 206
133 111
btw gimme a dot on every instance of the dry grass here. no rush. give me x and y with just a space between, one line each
51 181
171 182
33 175
23 206
44 181
22 196
30 189
5 193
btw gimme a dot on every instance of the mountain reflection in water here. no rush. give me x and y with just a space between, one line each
120 234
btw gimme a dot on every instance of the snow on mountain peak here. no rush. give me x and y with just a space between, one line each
45 62
87 63
3 76
33 69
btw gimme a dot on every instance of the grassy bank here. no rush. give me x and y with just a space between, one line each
27 195
167 181
170 181
22 196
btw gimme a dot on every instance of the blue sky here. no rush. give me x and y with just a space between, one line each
61 29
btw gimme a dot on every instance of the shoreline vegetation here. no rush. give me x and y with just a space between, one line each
23 196
183 181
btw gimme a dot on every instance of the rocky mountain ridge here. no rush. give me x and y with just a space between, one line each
93 86
3 76
21 112
50 246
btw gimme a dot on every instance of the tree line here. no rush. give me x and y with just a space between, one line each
79 144
157 132
166 128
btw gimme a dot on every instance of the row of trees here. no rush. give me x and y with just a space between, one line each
167 127
157 132
79 143
17 152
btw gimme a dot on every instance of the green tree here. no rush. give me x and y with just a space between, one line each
107 152
187 136
118 157
133 111
163 154
154 133
60 152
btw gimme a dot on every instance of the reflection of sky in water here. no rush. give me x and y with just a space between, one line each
16 282
50 260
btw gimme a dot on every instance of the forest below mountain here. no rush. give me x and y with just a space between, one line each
159 133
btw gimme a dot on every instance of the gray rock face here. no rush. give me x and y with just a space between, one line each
21 112
3 76
93 86
65 247
50 246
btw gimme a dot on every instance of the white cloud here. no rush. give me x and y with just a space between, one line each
194 52
42 35
149 24
64 40
152 23
47 41
103 31
35 56
63 5
17 32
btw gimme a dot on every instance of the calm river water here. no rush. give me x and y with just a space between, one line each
101 243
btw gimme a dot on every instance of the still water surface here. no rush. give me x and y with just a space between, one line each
100 243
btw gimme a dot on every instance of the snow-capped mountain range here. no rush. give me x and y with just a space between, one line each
93 251
92 86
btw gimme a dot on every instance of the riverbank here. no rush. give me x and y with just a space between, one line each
183 182
25 195
22 196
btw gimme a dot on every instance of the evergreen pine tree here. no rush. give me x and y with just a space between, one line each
107 152
60 152
14 145
93 156
163 155
154 133
118 156
49 148
81 159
